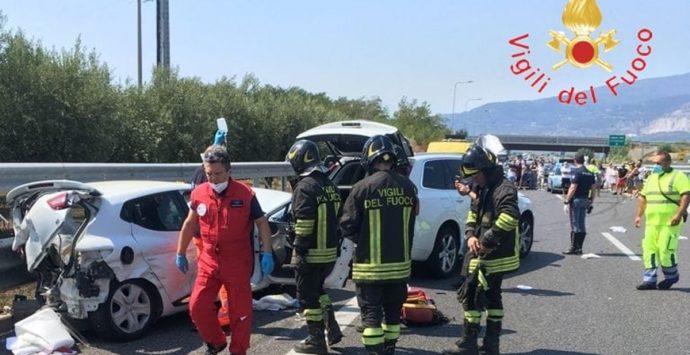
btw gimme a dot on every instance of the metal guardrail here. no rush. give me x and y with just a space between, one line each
574 141
15 174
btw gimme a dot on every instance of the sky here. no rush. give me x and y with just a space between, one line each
418 49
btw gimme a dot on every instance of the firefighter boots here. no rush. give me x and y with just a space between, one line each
332 327
467 345
375 349
490 344
315 343
389 347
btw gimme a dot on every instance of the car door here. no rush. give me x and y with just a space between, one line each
156 221
434 205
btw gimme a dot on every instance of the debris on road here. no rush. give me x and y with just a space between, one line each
682 237
590 256
618 229
42 332
275 303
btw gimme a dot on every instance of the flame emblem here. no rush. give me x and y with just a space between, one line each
582 17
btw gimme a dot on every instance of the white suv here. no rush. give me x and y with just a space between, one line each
441 220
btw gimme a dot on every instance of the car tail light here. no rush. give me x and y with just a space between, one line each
59 202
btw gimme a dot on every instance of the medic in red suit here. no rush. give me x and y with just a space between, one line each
224 211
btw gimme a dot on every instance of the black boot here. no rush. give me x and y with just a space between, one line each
573 246
315 343
490 344
467 345
389 347
332 327
579 241
375 349
214 349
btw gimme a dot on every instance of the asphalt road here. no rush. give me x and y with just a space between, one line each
574 306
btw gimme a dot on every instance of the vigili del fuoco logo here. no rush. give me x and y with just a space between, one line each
583 49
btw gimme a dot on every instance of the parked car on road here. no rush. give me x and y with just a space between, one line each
440 224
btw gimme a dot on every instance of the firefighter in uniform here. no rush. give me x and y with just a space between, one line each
224 211
379 216
492 236
315 207
664 201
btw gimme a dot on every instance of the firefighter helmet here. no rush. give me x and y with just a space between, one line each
477 159
304 158
377 148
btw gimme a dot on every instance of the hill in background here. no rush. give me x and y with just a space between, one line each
654 110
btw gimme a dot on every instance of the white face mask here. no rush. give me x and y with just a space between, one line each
219 187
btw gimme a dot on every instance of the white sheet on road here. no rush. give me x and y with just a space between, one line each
274 303
40 333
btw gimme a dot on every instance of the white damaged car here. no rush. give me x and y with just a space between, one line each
105 251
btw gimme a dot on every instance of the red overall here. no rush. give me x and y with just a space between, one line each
226 259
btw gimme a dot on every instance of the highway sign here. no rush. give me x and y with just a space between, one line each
616 140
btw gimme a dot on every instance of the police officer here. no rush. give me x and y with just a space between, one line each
664 201
492 235
577 202
224 211
379 216
316 206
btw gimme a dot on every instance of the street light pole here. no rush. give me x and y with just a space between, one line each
139 42
455 89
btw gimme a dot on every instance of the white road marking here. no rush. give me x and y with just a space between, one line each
621 246
559 197
345 315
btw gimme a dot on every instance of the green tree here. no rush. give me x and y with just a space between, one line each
56 106
417 123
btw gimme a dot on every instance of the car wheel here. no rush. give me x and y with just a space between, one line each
130 310
526 235
444 258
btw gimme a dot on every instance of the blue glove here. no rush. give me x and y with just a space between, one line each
267 262
219 138
182 264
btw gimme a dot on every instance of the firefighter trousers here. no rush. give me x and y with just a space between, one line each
380 305
310 293
476 300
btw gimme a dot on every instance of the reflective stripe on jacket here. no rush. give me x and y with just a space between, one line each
379 216
316 206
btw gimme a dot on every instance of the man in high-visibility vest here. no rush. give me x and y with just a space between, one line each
664 201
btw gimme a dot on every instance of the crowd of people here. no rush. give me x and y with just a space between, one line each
619 178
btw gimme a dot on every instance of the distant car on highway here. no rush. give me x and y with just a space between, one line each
554 182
